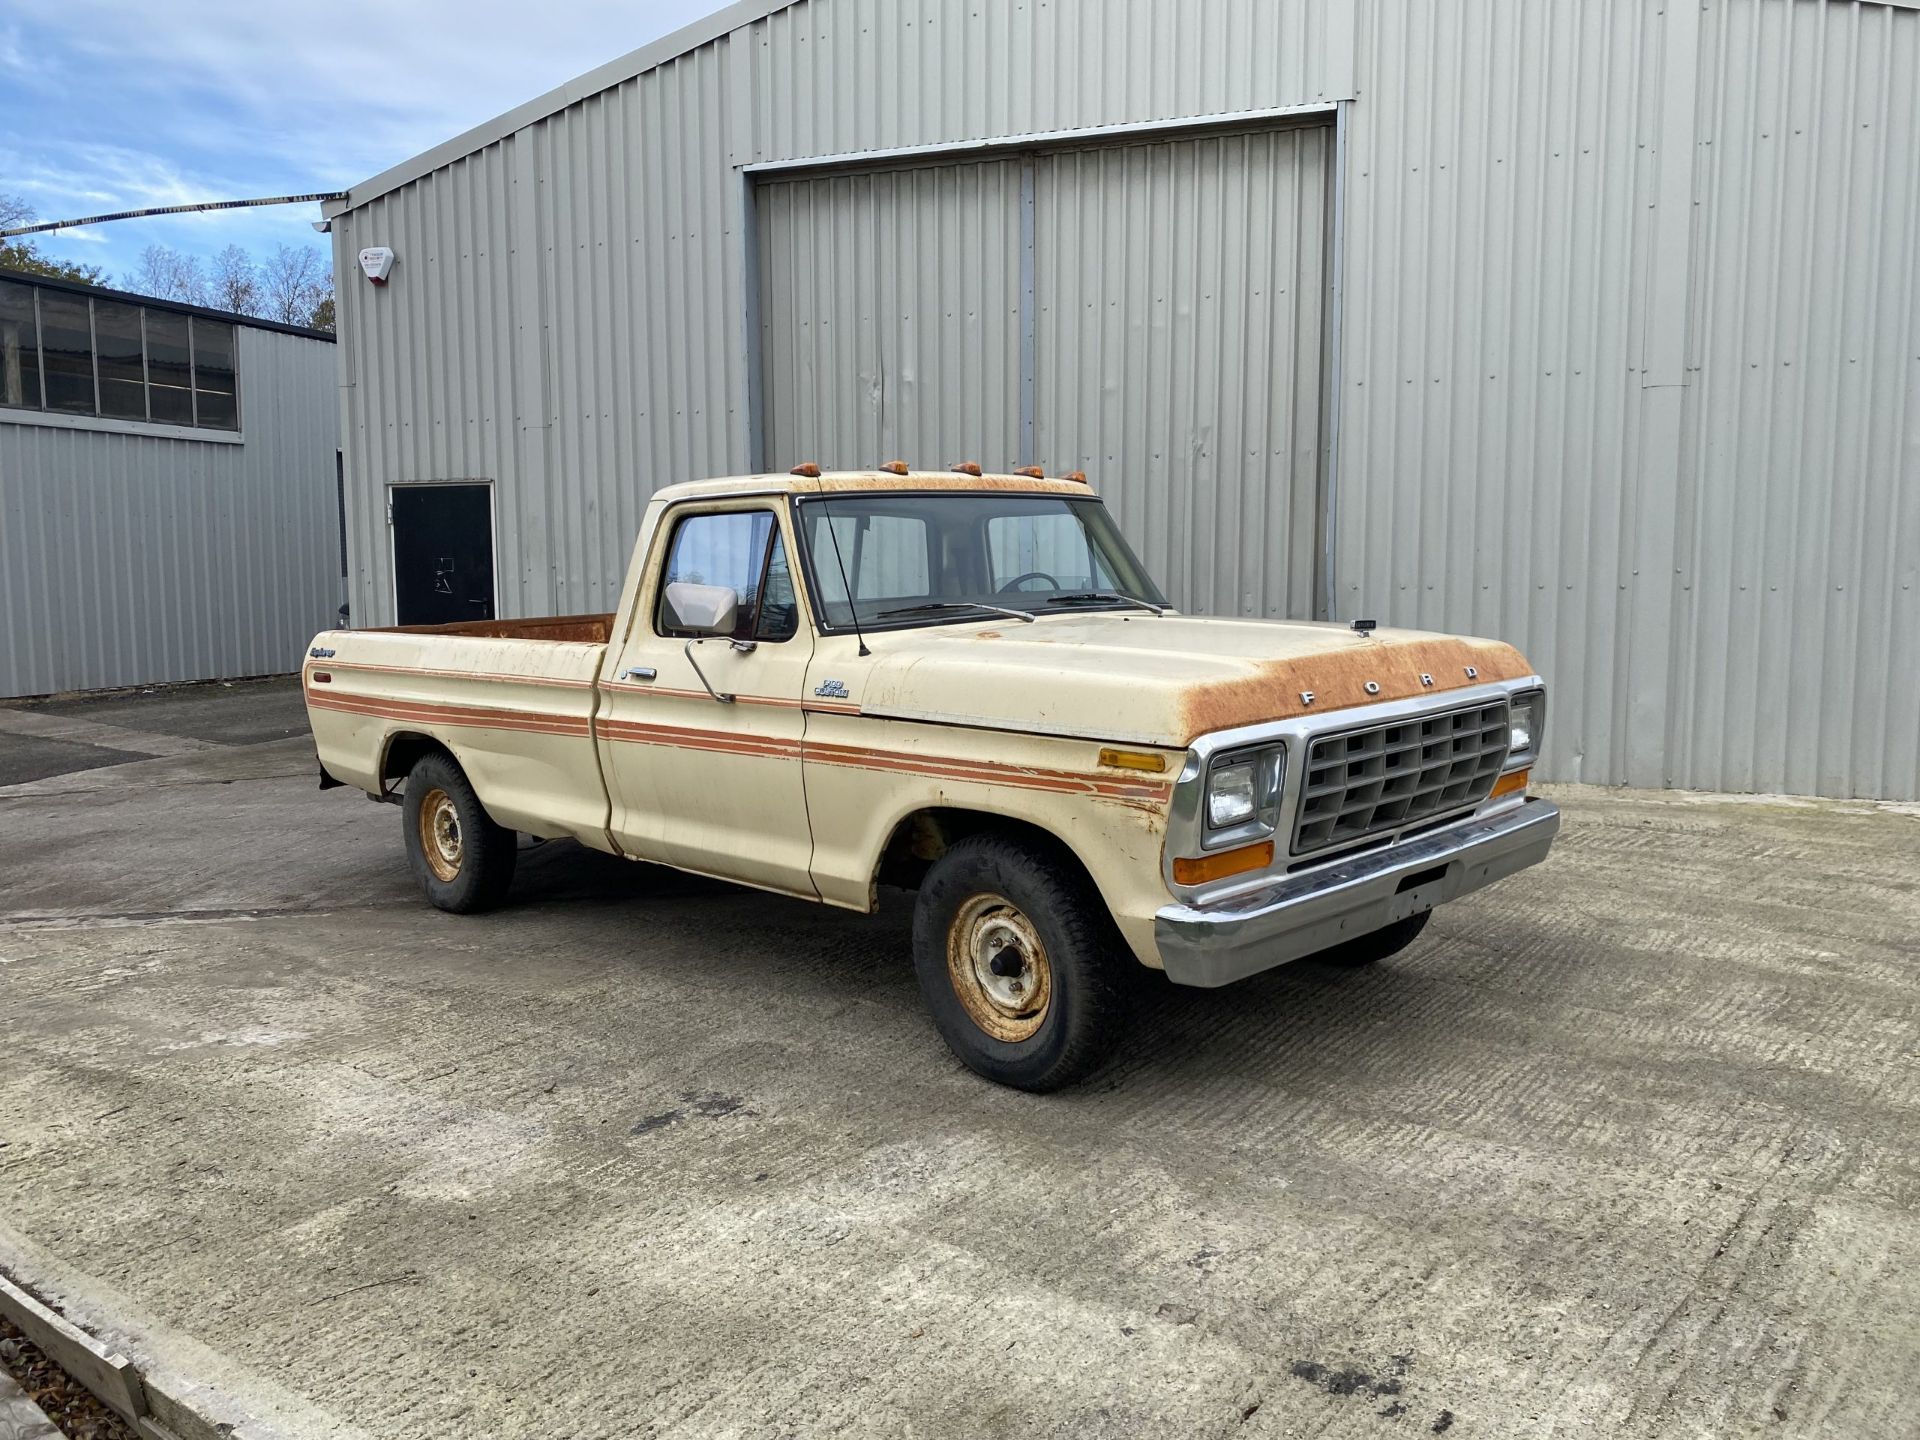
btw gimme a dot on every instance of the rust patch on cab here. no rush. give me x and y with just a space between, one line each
1401 669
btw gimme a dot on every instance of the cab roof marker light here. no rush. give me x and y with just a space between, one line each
966 467
895 467
806 470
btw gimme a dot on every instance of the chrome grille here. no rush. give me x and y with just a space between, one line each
1385 777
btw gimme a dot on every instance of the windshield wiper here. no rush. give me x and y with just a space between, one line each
1085 596
933 605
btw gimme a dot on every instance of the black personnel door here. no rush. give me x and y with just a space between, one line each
442 553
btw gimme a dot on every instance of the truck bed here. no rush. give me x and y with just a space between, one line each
514 698
592 629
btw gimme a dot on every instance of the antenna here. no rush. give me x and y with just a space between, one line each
853 606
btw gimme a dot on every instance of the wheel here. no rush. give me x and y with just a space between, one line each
1017 959
462 859
1376 944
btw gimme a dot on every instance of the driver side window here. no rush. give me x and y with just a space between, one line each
742 550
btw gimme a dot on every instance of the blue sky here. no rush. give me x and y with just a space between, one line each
120 104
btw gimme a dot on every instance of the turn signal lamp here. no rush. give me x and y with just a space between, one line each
1201 869
1512 781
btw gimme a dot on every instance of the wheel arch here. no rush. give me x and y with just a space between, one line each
921 836
401 750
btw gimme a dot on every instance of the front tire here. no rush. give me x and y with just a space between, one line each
1016 956
462 859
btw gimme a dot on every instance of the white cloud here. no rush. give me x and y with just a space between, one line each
230 98
347 89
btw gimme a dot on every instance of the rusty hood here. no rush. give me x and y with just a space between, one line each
1162 680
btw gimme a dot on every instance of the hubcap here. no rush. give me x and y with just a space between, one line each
440 834
999 968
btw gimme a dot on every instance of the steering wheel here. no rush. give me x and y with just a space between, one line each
1019 580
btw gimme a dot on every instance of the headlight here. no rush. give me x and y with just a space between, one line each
1527 715
1243 794
1230 795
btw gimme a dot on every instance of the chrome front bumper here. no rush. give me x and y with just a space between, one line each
1302 914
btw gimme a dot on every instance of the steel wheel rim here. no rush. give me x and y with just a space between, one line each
999 968
440 839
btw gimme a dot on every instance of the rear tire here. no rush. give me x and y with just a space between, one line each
462 859
1016 956
1375 946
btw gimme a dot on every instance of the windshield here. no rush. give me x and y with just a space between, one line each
930 559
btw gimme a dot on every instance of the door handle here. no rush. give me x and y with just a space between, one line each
640 672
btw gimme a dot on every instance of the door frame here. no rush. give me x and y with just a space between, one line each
393 554
1333 114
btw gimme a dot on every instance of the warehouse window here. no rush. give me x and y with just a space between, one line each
92 355
19 348
66 347
121 356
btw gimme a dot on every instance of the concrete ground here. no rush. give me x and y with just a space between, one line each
1627 1145
58 736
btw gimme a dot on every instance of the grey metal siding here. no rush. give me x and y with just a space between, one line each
569 315
129 559
1797 663
1630 374
1626 324
1175 296
1182 312
836 77
890 316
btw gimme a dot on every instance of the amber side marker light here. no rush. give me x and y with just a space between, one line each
1228 862
1507 784
1133 760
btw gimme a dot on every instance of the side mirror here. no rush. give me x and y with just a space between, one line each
702 609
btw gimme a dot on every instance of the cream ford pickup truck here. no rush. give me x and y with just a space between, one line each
965 685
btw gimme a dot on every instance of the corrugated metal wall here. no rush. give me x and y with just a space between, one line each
1182 302
1630 368
131 559
1797 659
1627 325
1174 294
568 314
890 316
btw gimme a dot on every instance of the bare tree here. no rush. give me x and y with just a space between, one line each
234 282
166 274
293 282
25 253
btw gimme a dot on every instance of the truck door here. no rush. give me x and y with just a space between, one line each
700 734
